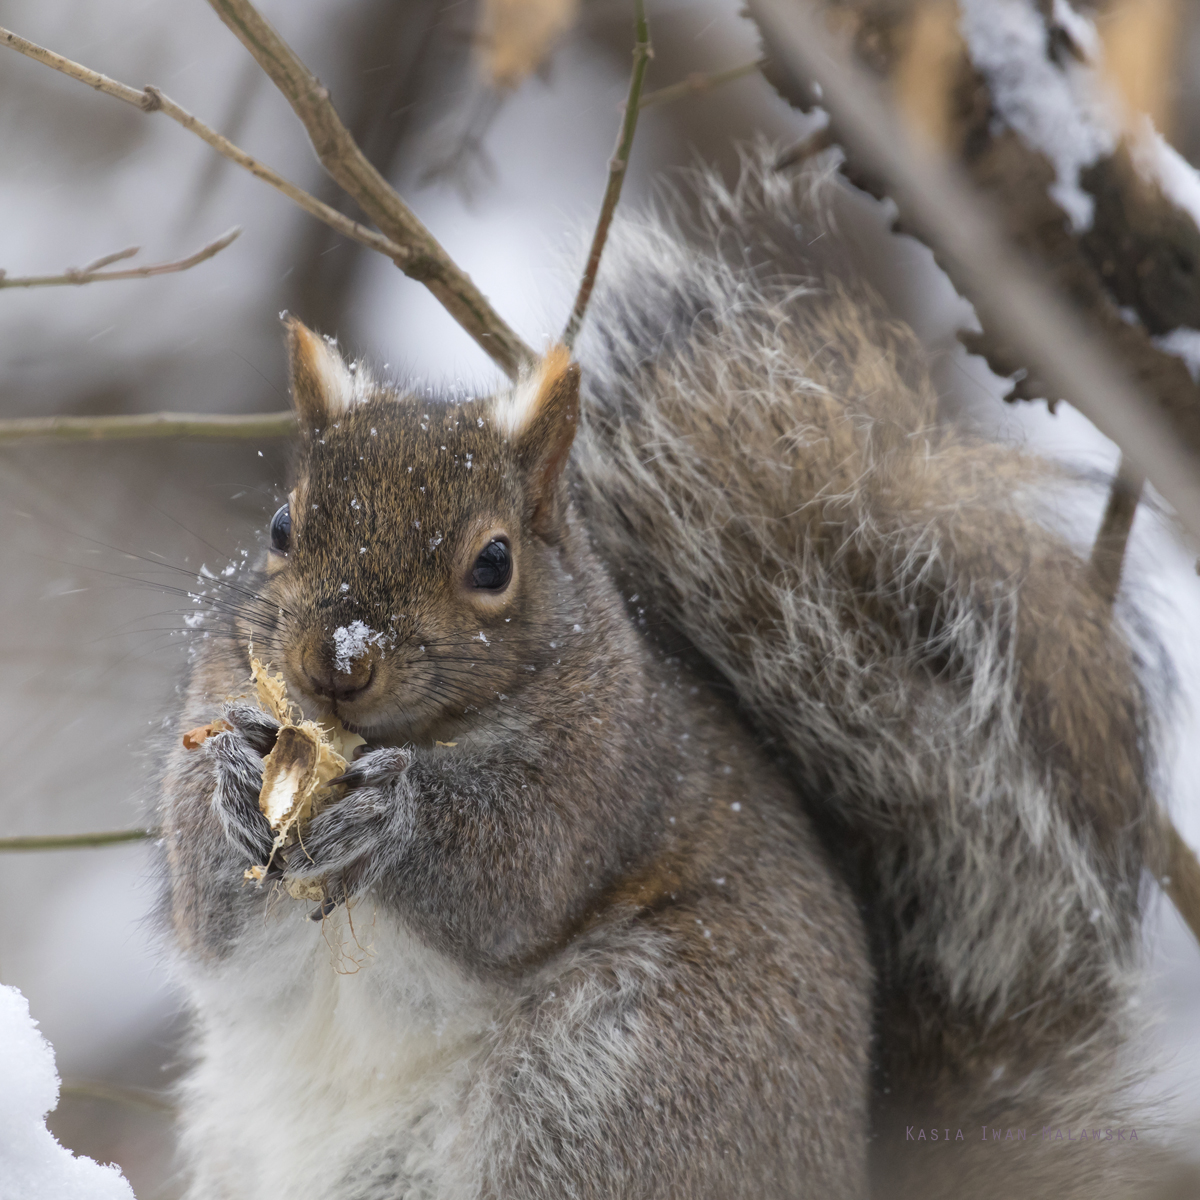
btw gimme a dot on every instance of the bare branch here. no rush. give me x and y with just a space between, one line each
75 841
150 425
805 148
642 53
1108 550
92 274
111 1093
102 83
1181 879
400 255
152 100
108 259
340 155
698 83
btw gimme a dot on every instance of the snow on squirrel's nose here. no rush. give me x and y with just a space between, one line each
341 665
352 645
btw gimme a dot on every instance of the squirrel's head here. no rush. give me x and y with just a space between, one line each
420 566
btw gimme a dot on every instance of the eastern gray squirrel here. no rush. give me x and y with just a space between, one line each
750 775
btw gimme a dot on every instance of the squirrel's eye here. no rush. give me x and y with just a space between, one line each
493 567
281 530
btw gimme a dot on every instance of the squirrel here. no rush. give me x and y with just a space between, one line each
750 777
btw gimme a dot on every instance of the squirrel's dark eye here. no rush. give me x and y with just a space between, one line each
281 530
493 567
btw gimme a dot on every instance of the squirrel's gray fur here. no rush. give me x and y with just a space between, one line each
596 946
760 455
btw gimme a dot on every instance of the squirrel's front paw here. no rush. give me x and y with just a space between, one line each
349 844
235 758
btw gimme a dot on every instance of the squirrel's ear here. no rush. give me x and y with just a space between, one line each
322 385
540 417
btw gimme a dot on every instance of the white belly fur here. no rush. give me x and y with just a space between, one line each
313 1045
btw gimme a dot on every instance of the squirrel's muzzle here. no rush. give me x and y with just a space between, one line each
336 677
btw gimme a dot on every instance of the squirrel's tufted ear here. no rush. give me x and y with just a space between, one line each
323 386
540 416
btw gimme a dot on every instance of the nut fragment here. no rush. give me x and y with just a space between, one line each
195 738
295 772
306 756
272 692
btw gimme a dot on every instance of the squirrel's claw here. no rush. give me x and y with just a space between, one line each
259 728
323 909
237 770
340 846
374 768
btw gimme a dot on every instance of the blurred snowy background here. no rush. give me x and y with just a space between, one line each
93 649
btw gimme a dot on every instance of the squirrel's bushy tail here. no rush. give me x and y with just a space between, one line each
760 459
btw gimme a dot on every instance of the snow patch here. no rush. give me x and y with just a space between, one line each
1161 162
1064 113
1068 113
1183 343
32 1162
351 642
1080 29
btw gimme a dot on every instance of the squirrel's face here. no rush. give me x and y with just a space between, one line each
418 566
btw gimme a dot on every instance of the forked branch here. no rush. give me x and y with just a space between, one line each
405 241
150 99
340 155
92 273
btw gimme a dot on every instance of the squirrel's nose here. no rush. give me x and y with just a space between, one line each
327 678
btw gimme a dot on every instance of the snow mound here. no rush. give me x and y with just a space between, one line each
33 1166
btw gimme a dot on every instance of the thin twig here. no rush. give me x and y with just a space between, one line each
92 273
698 83
340 155
1181 879
102 83
75 841
150 99
642 53
108 259
400 255
150 425
112 1093
1108 550
805 148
